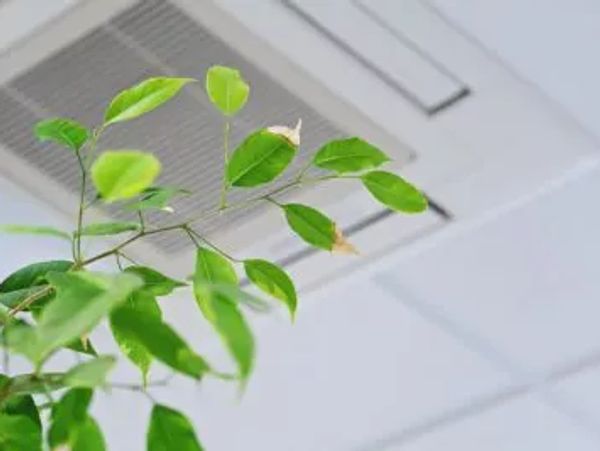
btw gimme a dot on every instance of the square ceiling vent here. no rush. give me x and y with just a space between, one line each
95 49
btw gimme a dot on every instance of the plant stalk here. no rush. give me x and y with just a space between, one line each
224 185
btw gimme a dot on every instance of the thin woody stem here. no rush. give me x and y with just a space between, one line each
186 226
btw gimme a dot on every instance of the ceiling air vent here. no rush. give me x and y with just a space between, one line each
98 48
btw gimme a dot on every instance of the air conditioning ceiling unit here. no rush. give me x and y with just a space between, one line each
393 72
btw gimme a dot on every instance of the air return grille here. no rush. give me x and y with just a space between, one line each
153 37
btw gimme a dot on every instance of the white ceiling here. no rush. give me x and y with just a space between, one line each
483 336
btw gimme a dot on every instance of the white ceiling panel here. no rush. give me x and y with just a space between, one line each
522 425
581 389
357 367
551 43
523 287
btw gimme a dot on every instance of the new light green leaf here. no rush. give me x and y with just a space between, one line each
155 282
33 275
66 132
81 301
259 159
349 155
226 89
123 174
68 414
19 229
19 433
220 310
311 225
273 280
394 192
144 303
109 228
160 341
143 98
90 374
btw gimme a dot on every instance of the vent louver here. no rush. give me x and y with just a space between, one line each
153 37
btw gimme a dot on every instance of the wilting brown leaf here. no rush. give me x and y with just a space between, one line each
291 134
341 245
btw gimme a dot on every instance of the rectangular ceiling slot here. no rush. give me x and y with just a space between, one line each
381 48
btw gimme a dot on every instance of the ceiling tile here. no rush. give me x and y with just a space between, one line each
520 425
357 366
523 287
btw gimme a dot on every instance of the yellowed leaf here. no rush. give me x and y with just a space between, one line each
291 134
341 245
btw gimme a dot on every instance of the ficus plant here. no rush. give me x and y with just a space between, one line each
53 306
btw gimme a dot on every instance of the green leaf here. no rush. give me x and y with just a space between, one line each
88 437
90 374
160 341
226 89
19 433
78 346
109 228
212 267
349 155
122 174
311 225
240 296
34 230
394 192
170 430
68 415
22 405
157 198
259 159
154 282
81 301
144 303
220 310
273 280
66 132
33 275
143 98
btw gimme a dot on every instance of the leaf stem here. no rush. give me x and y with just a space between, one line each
77 237
30 300
84 172
141 218
224 186
136 237
183 226
194 236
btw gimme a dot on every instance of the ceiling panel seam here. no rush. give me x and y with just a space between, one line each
537 383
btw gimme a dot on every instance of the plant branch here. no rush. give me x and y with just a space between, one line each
195 236
25 303
183 226
224 186
186 226
77 237
141 218
134 238
84 172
